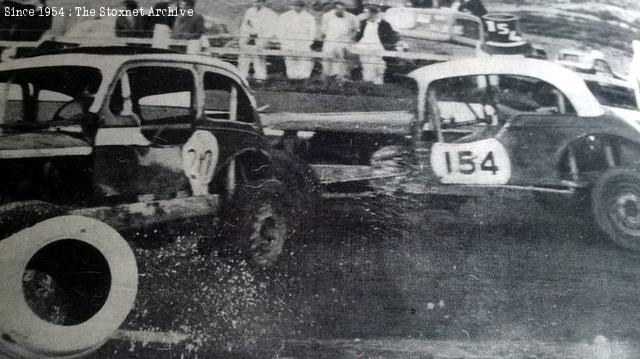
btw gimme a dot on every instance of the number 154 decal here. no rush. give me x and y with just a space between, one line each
482 162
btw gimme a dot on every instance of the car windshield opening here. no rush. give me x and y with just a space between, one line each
47 95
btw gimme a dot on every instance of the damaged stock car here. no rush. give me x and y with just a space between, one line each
489 123
96 142
529 125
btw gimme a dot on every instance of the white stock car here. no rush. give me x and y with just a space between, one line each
532 125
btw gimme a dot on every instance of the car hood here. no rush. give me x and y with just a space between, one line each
45 144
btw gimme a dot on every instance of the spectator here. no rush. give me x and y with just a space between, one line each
474 7
23 28
166 21
338 30
38 25
188 27
129 26
375 35
257 28
297 30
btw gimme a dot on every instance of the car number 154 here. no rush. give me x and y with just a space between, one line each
484 162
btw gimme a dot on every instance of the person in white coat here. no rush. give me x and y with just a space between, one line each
375 36
297 31
338 31
257 28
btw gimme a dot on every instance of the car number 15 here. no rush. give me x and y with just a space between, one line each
484 162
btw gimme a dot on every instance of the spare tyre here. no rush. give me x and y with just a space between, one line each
15 216
90 269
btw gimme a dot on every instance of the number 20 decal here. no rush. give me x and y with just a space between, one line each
483 162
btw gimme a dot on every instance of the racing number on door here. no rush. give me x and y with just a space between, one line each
481 162
466 164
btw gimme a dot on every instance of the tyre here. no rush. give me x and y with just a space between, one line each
66 284
615 202
302 188
254 223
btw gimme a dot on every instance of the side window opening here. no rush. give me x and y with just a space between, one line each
12 103
56 98
163 109
224 100
463 101
613 95
489 101
523 94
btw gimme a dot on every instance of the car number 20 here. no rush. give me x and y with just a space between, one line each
483 162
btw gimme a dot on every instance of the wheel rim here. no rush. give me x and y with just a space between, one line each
624 209
267 236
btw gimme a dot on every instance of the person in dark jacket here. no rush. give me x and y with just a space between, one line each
23 28
375 35
188 27
475 7
130 26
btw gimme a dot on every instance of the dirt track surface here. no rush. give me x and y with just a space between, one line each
388 277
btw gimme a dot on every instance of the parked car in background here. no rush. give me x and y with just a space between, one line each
592 62
433 31
420 27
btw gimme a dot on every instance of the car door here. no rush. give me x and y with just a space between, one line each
229 114
498 129
150 115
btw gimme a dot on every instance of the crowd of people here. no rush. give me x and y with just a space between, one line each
340 32
24 28
343 36
340 35
181 27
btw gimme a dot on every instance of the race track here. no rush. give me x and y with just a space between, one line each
389 277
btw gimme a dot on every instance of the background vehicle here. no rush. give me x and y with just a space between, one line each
435 31
592 62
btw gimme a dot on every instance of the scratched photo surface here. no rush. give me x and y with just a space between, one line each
319 179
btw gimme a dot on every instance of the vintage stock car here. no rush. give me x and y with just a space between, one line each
494 122
96 142
533 125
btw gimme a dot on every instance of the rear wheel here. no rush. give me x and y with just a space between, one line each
254 222
616 206
302 188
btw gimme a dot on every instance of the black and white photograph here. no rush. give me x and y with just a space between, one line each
322 179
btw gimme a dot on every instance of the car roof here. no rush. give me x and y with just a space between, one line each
110 63
565 80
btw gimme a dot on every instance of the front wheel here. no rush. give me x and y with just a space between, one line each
254 222
616 206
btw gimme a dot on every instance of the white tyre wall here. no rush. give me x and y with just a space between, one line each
22 332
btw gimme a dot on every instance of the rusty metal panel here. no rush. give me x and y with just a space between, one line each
136 215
